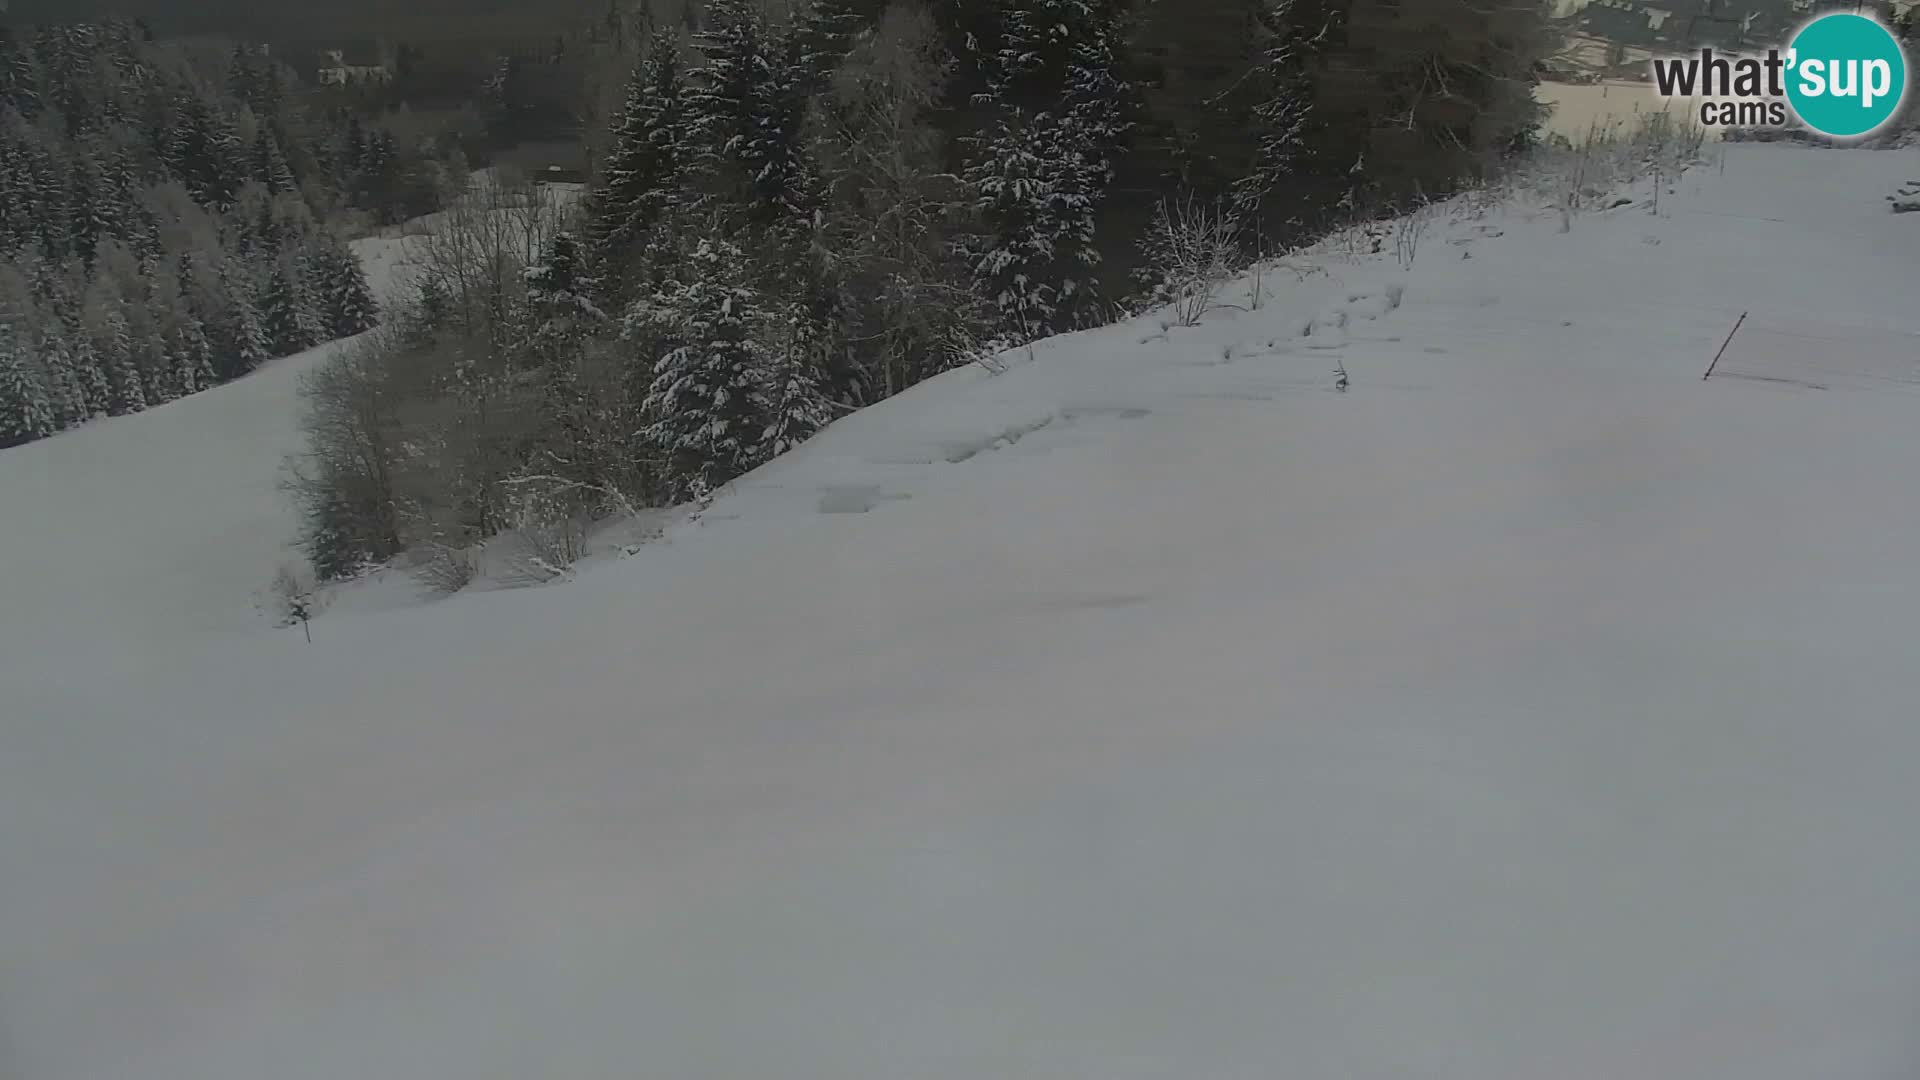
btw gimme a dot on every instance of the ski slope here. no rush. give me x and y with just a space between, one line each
1532 709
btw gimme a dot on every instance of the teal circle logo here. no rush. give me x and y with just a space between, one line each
1846 75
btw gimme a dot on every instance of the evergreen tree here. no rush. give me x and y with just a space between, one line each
268 165
118 360
346 304
1040 169
793 389
244 343
202 151
92 217
707 399
1290 39
558 286
25 412
96 391
190 355
824 31
288 314
642 172
66 389
744 109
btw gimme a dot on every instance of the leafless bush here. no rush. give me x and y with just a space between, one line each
1191 249
963 345
475 254
443 570
1573 177
1408 229
550 517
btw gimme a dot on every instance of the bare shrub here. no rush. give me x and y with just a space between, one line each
1408 229
1573 177
963 345
344 480
475 255
443 570
549 519
1189 251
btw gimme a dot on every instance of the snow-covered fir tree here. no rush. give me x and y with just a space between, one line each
95 389
339 285
643 168
268 166
190 354
25 412
793 384
113 350
745 106
823 32
288 314
1058 116
66 385
708 399
559 287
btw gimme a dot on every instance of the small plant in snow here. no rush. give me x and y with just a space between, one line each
293 599
1408 229
1189 251
963 347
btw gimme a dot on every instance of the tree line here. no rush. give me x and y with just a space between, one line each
165 219
792 217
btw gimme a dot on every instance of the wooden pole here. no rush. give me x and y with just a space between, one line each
1723 346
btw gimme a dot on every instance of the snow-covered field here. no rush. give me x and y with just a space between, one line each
1534 709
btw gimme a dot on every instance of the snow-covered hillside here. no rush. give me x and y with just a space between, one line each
1532 709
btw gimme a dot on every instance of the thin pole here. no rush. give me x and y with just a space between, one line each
1723 346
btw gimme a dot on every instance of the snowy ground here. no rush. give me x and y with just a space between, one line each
1533 709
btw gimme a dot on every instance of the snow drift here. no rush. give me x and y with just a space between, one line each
1533 708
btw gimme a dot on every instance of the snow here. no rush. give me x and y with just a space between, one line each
137 536
1533 708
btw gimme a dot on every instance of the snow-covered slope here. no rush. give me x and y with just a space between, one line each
1533 709
141 536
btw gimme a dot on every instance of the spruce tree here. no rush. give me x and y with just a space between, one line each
707 399
823 32
65 386
268 165
289 319
245 343
1058 116
25 412
558 285
793 384
346 303
113 344
745 109
643 169
190 355
96 391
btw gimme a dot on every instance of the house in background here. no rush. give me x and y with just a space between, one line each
352 67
